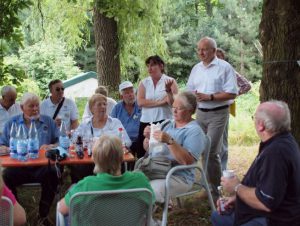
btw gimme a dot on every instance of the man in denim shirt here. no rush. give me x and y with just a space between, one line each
48 136
129 113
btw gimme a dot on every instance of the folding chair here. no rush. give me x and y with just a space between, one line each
109 208
6 212
198 184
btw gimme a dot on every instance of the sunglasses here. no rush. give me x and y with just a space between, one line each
59 89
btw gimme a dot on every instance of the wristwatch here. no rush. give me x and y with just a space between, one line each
170 141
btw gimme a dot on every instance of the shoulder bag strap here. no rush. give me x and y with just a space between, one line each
58 108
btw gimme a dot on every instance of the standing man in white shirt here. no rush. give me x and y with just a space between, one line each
8 105
214 83
60 108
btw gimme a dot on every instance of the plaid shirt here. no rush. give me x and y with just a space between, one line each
243 84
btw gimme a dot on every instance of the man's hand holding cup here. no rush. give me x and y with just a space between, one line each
229 181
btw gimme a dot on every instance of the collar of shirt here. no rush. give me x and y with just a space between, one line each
215 61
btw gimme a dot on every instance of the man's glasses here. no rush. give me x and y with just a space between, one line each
59 89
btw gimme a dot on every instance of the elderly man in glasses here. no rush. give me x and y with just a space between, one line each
60 108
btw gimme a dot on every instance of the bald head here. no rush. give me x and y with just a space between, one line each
9 96
275 115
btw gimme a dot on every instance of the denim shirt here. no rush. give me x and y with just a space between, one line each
130 122
47 131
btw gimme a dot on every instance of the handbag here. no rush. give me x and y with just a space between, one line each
155 167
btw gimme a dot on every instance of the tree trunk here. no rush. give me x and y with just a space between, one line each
280 35
107 51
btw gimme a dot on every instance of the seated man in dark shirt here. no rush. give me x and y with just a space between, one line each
269 194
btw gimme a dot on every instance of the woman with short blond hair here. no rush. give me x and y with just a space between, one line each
98 125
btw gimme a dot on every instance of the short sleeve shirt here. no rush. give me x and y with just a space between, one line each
67 113
7 193
130 122
218 76
191 137
275 176
5 115
47 131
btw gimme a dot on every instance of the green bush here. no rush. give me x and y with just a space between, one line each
45 61
241 128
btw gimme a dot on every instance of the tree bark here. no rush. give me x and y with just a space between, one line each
107 50
280 35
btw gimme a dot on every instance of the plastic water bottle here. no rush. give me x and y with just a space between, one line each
33 141
22 142
64 140
122 137
13 140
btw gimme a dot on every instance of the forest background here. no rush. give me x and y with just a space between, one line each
56 39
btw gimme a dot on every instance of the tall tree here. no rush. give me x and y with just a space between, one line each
280 35
107 50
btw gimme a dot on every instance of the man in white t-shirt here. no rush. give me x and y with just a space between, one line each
68 111
214 83
87 114
8 105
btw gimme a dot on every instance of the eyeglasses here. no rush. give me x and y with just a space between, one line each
59 89
178 108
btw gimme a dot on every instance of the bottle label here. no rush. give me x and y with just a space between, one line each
13 145
22 149
33 146
64 142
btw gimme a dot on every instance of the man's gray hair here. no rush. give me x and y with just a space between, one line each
6 89
276 117
29 97
211 41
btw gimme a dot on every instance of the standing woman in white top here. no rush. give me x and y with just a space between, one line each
155 97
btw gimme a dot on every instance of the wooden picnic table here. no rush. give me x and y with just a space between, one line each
42 160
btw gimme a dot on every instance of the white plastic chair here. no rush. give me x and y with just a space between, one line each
109 208
199 184
6 212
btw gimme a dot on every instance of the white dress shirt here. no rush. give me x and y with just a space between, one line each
218 76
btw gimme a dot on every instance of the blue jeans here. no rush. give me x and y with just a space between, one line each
228 220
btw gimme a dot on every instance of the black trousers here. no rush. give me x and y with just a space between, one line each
46 176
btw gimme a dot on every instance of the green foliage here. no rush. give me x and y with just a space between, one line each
237 31
45 61
80 103
9 20
241 128
10 34
57 20
234 25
